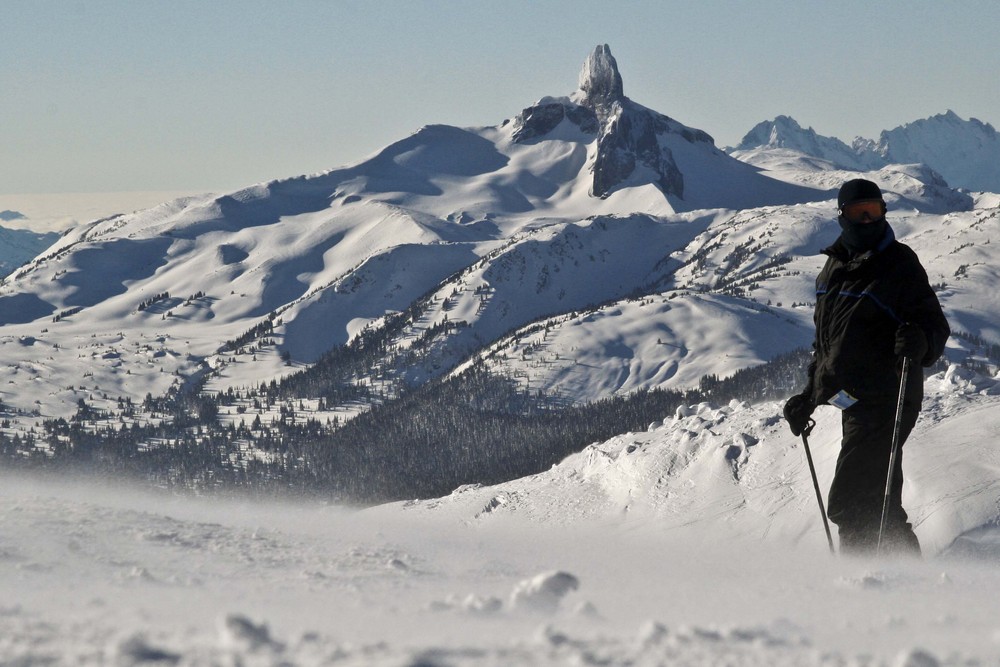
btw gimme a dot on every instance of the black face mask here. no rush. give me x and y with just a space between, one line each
862 237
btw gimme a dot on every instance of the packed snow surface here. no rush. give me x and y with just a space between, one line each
697 542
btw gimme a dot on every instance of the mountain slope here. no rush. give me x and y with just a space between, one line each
18 246
736 471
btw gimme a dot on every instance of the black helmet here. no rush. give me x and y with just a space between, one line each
856 190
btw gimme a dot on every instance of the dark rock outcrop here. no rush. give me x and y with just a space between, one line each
628 139
539 120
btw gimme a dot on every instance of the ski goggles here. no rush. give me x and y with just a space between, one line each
863 211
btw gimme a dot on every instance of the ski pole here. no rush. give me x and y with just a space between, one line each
812 471
893 452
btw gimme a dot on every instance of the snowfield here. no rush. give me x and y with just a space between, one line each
697 542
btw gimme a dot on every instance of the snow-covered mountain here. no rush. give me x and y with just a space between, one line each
636 146
18 246
586 248
576 200
784 133
966 153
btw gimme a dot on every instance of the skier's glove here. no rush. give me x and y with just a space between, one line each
797 411
911 342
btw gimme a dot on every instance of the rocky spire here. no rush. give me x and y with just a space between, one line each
628 134
600 82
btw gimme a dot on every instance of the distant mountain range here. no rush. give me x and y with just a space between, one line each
966 153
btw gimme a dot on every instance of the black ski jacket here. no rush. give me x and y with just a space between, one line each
860 302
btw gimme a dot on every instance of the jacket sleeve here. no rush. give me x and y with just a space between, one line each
810 389
921 307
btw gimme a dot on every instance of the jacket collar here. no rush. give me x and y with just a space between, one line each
839 251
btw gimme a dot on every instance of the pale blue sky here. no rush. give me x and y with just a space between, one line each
196 95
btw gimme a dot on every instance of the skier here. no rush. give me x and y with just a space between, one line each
874 306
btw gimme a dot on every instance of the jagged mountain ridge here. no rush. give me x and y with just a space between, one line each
966 153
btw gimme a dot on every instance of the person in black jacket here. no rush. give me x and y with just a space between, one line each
874 306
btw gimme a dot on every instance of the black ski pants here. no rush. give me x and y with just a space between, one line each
858 490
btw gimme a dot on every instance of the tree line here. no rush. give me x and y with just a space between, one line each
477 427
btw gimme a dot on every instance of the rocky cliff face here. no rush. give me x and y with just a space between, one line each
629 146
629 138
538 120
600 85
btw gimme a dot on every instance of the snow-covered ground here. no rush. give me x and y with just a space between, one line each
697 542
